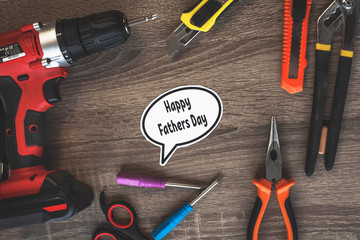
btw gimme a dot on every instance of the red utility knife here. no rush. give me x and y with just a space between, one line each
296 21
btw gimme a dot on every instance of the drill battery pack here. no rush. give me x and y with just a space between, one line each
59 198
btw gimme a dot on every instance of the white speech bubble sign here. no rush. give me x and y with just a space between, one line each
181 117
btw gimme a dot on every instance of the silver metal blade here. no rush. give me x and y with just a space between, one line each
273 155
182 185
208 189
181 37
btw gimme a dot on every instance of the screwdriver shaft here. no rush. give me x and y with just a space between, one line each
171 222
208 189
141 20
182 185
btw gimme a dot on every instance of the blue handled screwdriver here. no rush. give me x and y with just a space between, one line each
171 222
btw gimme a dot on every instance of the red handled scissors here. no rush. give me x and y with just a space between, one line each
118 231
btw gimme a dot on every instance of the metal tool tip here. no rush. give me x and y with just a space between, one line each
220 179
273 120
153 17
208 189
141 20
274 137
273 127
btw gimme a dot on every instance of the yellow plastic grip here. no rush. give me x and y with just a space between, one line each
346 53
186 17
323 47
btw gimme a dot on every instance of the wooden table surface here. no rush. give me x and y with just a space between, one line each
94 132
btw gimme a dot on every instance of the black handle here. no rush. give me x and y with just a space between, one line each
205 13
341 86
22 130
283 195
59 198
299 10
110 234
262 199
10 94
318 108
253 218
131 229
291 218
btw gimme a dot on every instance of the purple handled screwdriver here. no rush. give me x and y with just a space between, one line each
138 180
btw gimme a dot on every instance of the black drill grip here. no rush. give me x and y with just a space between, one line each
23 130
341 87
33 131
318 108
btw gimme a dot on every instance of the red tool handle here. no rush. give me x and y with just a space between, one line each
294 84
263 196
27 90
282 193
264 193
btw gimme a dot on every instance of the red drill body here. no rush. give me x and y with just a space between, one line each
33 61
24 153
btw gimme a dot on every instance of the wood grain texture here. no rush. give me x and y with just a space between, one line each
94 132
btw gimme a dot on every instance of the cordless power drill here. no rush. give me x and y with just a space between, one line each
33 61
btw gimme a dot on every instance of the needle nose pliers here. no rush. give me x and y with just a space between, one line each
264 186
343 13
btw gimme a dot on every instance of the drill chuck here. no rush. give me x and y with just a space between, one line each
80 37
68 40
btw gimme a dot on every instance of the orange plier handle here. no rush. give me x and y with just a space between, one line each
264 193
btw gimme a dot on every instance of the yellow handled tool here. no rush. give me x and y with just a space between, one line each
199 18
